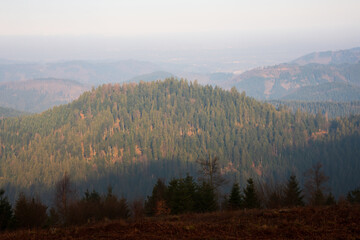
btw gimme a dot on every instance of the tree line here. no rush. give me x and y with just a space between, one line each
179 196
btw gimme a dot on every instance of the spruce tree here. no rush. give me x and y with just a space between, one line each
206 200
251 200
235 200
181 195
292 194
6 214
158 195
354 196
330 199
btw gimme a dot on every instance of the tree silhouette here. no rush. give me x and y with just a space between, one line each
158 194
64 196
210 172
251 199
315 184
29 213
235 199
292 193
6 214
206 199
354 196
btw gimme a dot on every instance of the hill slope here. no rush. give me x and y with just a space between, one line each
341 92
276 82
151 77
86 72
351 56
9 112
39 94
331 109
128 136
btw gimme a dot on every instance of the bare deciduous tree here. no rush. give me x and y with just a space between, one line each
210 172
64 196
315 184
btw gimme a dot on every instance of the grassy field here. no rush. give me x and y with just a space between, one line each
335 222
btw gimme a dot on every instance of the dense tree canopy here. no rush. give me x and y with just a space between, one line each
129 135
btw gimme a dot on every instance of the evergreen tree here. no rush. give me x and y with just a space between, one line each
251 199
292 193
29 213
157 198
330 199
235 199
354 196
206 200
6 213
181 195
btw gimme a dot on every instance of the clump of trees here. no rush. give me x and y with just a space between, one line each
179 196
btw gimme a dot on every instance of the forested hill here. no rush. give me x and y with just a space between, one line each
129 135
9 112
330 109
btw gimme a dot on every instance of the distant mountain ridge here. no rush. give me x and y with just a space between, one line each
9 112
332 91
158 75
276 82
87 72
37 95
350 56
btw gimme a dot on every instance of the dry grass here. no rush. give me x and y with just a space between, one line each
336 222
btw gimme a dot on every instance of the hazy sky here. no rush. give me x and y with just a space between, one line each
137 17
146 29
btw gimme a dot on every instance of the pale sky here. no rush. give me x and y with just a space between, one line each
143 17
162 30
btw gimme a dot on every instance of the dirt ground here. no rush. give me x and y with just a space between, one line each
335 222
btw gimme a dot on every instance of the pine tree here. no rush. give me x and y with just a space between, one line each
330 199
29 213
181 195
206 200
235 200
354 196
158 194
292 193
6 214
251 199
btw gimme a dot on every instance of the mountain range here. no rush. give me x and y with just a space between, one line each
321 76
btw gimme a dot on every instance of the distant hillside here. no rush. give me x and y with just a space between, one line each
129 135
9 112
350 56
279 81
335 92
159 75
93 73
39 94
331 109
